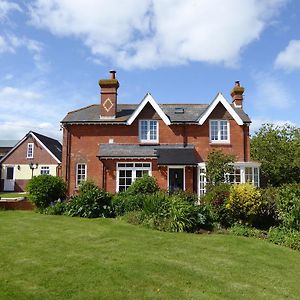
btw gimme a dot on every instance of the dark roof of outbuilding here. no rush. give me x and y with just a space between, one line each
53 145
191 113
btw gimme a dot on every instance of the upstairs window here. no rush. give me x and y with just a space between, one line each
148 131
81 173
219 131
30 147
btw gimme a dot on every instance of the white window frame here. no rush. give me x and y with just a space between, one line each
45 169
32 150
219 140
77 183
148 140
133 169
241 165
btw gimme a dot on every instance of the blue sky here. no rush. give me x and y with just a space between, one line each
53 52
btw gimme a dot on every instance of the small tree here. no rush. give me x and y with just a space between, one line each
217 165
278 150
45 189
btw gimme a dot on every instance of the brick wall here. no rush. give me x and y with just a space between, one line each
84 141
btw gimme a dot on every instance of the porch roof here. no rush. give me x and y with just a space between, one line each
167 154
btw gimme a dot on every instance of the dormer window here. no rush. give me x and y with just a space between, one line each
219 131
148 131
30 147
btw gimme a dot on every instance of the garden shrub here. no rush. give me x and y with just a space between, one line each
247 231
285 237
45 189
91 202
134 217
187 196
204 217
288 203
267 215
143 185
124 202
181 214
56 208
217 198
243 202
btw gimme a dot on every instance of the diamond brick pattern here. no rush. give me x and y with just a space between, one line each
108 105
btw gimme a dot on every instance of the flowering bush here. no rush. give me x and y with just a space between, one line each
244 202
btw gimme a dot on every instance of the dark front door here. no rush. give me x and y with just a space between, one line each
176 179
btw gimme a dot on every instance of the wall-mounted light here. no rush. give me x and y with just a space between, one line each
19 167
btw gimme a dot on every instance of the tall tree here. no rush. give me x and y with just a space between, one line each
278 150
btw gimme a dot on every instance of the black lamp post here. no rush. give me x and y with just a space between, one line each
33 166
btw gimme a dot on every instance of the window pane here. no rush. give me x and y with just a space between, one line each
144 130
81 173
153 130
224 133
248 174
214 130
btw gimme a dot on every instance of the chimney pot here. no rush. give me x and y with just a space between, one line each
113 74
237 94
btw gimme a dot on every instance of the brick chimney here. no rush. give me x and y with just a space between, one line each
108 105
237 95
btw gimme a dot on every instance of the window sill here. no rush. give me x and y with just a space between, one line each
149 143
220 144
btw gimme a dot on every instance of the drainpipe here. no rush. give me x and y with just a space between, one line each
67 177
245 141
184 135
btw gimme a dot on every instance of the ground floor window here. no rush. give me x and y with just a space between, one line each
241 173
128 172
81 173
45 170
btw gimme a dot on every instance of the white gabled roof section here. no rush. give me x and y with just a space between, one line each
148 99
220 99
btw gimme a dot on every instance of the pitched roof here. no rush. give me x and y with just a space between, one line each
191 113
53 146
149 99
8 143
133 150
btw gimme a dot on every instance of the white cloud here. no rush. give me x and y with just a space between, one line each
257 123
23 110
6 7
288 59
149 34
10 43
271 93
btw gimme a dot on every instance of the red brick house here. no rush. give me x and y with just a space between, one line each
113 143
34 154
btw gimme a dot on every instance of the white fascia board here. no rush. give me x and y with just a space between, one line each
220 99
148 99
58 161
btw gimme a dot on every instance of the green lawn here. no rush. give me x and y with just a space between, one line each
11 195
58 257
